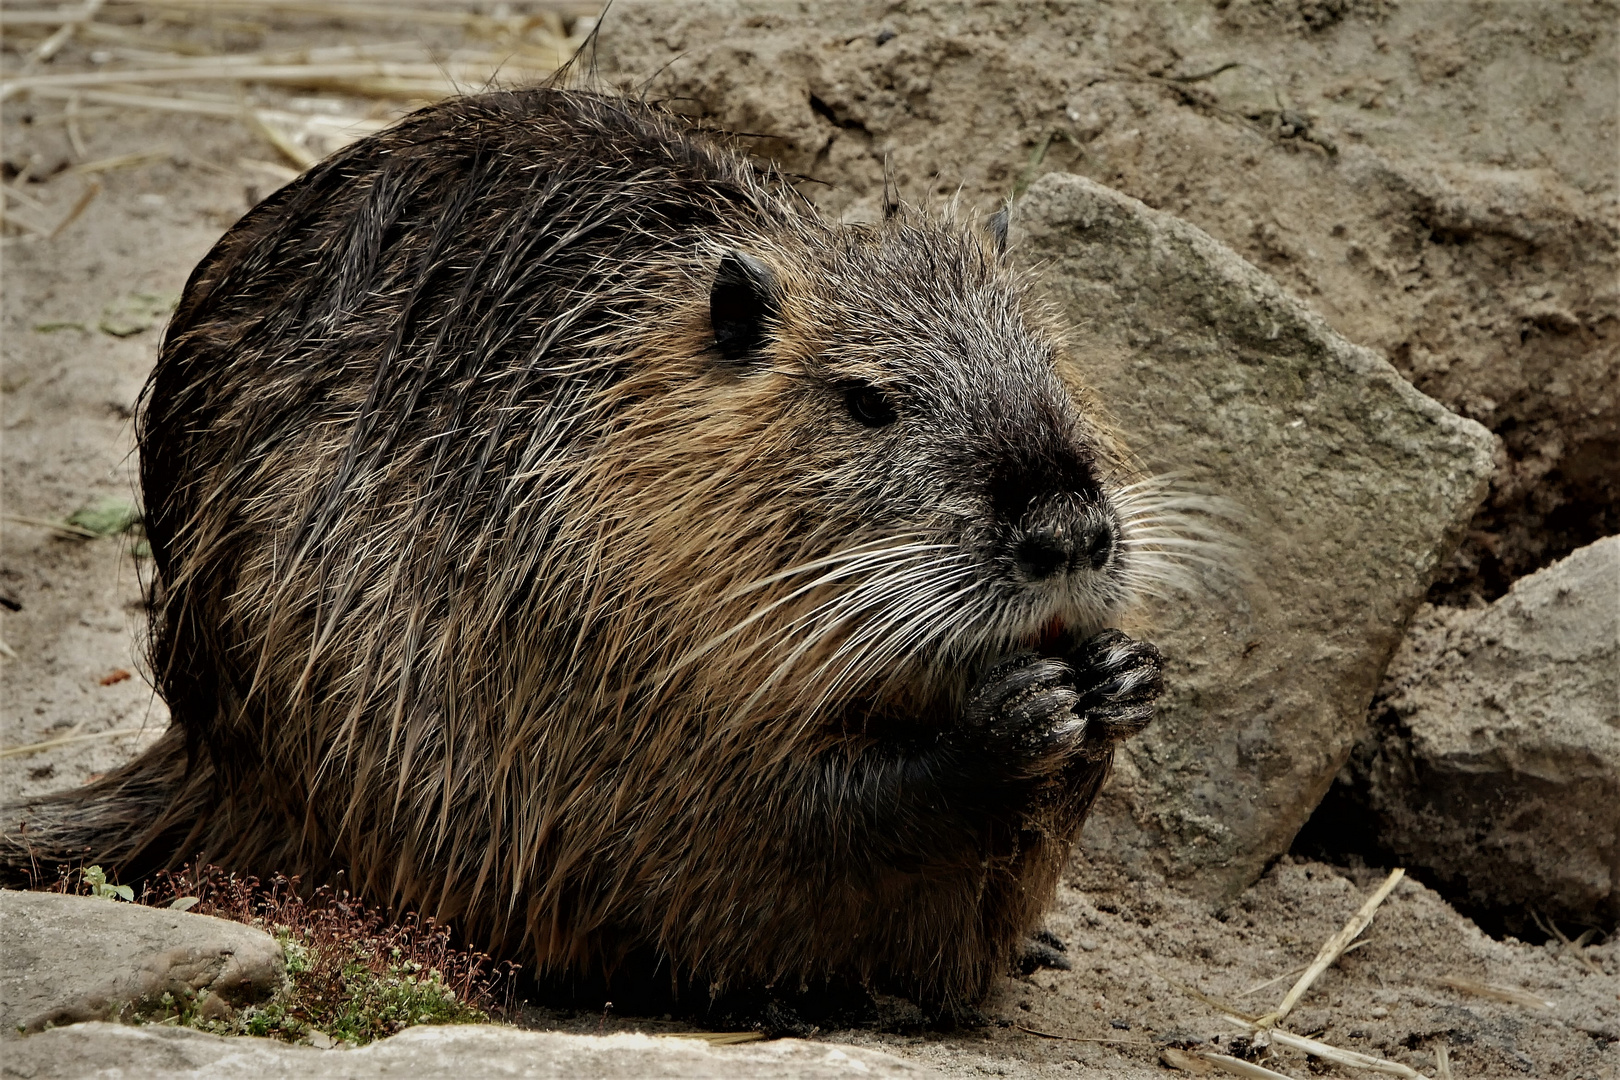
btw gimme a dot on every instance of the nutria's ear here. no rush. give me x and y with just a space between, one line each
743 302
999 222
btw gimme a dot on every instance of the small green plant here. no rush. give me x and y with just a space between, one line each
106 516
96 880
136 312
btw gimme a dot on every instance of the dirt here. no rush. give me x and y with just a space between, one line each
1143 958
1455 302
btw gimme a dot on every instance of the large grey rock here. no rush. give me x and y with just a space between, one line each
1355 484
113 1050
65 959
1495 764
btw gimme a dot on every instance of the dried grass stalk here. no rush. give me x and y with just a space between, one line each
9 218
314 123
51 45
1257 987
1177 1058
34 748
10 19
122 161
76 209
288 149
119 35
377 51
75 136
75 531
718 1038
372 12
9 195
1239 1067
1510 994
1570 948
280 173
1334 947
446 79
1350 1058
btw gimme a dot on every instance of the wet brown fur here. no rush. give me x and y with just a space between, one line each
466 564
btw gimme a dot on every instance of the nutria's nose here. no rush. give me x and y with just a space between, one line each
1050 550
1044 552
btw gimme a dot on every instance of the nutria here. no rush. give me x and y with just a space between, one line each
562 530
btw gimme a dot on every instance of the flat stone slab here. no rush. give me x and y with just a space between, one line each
70 962
1355 486
1495 765
115 1050
66 959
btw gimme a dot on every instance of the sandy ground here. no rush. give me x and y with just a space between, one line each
1426 982
74 612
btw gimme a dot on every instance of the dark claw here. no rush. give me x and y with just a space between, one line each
1043 949
1049 939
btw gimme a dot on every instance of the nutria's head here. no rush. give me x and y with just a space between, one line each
873 463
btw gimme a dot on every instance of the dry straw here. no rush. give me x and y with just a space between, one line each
48 744
1512 995
1266 1032
1333 948
1239 1067
145 65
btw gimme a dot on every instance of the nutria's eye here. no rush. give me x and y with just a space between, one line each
867 404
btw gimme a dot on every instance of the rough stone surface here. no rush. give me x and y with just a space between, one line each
1437 179
66 959
1494 766
1355 486
113 1050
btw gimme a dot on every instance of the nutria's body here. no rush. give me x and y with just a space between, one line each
562 531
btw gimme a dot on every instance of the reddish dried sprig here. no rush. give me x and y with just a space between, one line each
337 929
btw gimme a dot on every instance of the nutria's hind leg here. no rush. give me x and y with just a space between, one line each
1043 949
833 1006
782 1014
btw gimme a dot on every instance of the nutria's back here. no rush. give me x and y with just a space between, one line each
562 530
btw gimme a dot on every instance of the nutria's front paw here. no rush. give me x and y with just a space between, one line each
1022 716
1119 679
